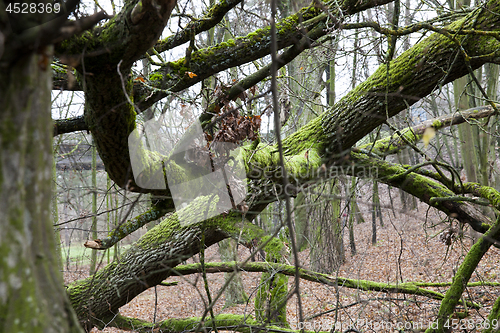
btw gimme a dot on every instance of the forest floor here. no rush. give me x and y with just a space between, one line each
409 248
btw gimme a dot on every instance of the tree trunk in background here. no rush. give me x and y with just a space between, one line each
375 204
32 294
235 293
352 214
327 248
408 201
444 139
468 134
55 217
301 218
271 297
465 131
266 218
354 211
337 253
296 83
93 254
270 300
492 75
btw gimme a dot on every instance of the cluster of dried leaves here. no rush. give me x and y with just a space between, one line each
232 126
221 93
235 128
449 236
228 131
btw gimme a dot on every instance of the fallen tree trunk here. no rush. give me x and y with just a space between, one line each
152 259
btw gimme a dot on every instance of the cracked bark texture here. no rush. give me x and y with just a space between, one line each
32 294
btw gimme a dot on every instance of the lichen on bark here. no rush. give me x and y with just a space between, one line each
32 296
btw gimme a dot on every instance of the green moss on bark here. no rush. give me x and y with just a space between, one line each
462 276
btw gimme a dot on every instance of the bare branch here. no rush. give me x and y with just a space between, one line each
63 126
71 28
157 211
211 17
394 143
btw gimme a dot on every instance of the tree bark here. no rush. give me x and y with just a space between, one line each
235 291
152 259
32 295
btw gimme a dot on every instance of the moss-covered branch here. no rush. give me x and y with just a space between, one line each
462 276
409 288
207 21
255 45
493 318
225 322
221 267
141 91
157 210
419 186
234 52
469 285
62 126
306 168
485 192
392 144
